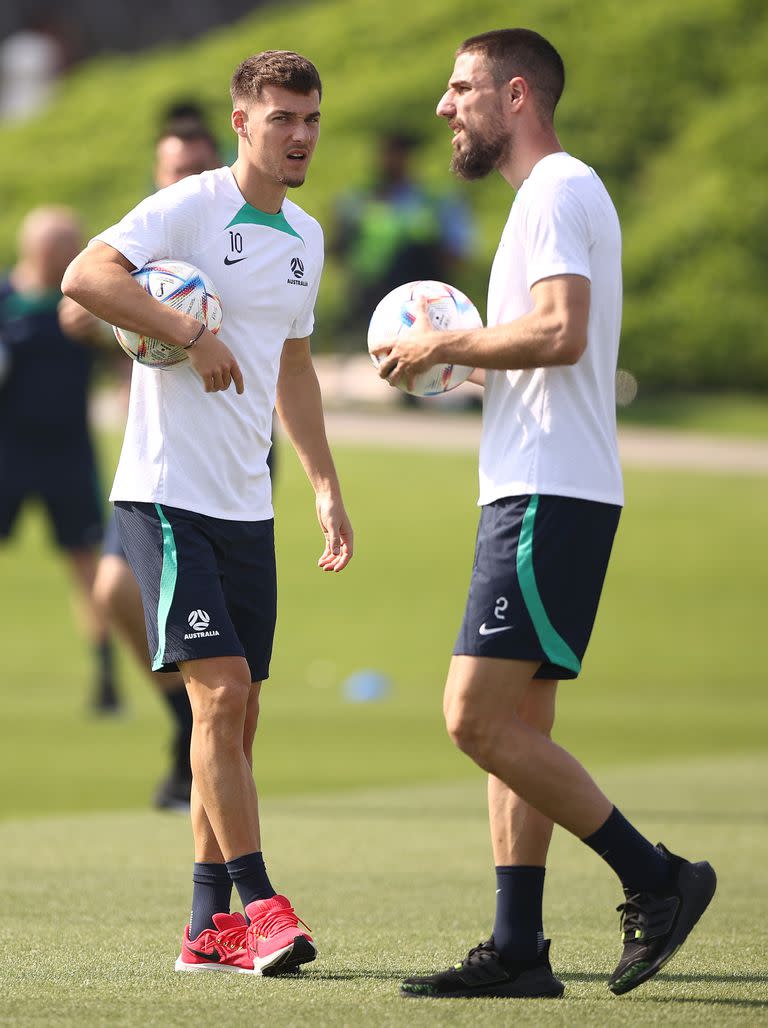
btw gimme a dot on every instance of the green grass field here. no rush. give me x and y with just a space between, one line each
731 414
371 821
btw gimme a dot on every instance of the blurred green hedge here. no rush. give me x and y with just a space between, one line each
667 102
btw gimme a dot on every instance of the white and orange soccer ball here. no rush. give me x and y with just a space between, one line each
447 308
186 289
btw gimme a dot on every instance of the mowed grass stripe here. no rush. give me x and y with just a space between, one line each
393 881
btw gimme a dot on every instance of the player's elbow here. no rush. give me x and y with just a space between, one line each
74 283
567 337
569 346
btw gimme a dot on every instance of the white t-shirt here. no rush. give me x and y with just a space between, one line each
553 430
207 452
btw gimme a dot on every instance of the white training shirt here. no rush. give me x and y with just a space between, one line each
553 430
207 452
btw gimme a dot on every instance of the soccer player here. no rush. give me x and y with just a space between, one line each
192 487
551 494
184 147
46 449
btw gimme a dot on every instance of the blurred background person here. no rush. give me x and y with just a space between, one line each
46 450
184 147
31 60
396 230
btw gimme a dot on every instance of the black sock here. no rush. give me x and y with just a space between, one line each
178 701
211 893
518 924
639 865
104 653
250 877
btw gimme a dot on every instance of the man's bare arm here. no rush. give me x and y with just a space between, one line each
553 333
299 406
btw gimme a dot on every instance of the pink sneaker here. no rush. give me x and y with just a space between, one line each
275 941
221 949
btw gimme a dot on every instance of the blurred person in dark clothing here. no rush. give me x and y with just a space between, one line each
46 451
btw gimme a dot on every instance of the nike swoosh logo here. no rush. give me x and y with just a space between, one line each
236 260
492 631
212 958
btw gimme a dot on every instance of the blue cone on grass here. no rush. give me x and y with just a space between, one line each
366 686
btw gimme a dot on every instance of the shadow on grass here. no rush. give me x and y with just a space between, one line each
352 976
713 1001
723 979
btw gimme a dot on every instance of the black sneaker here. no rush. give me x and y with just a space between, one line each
173 793
654 925
482 973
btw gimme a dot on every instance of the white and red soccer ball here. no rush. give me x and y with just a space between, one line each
447 308
186 289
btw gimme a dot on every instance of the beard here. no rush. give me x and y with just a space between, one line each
479 157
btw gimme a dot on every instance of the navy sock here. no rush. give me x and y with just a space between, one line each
211 892
518 926
178 701
105 656
250 878
105 662
639 865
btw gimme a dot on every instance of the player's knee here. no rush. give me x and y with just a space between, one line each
469 731
222 708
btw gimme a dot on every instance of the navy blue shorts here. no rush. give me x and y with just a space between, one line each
66 484
540 563
208 585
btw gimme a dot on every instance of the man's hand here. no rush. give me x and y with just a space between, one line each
337 531
412 352
215 364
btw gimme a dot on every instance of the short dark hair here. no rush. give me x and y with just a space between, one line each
512 52
282 68
188 132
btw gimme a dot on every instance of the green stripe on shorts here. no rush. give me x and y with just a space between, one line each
168 577
555 647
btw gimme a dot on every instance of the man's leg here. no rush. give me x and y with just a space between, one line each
224 795
117 596
82 562
482 697
510 964
665 894
520 837
219 691
212 885
482 704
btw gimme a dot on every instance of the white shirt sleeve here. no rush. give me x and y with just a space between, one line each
165 225
304 322
557 234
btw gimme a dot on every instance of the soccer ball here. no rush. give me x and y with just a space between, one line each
447 308
186 289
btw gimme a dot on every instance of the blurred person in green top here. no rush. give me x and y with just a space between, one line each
396 230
